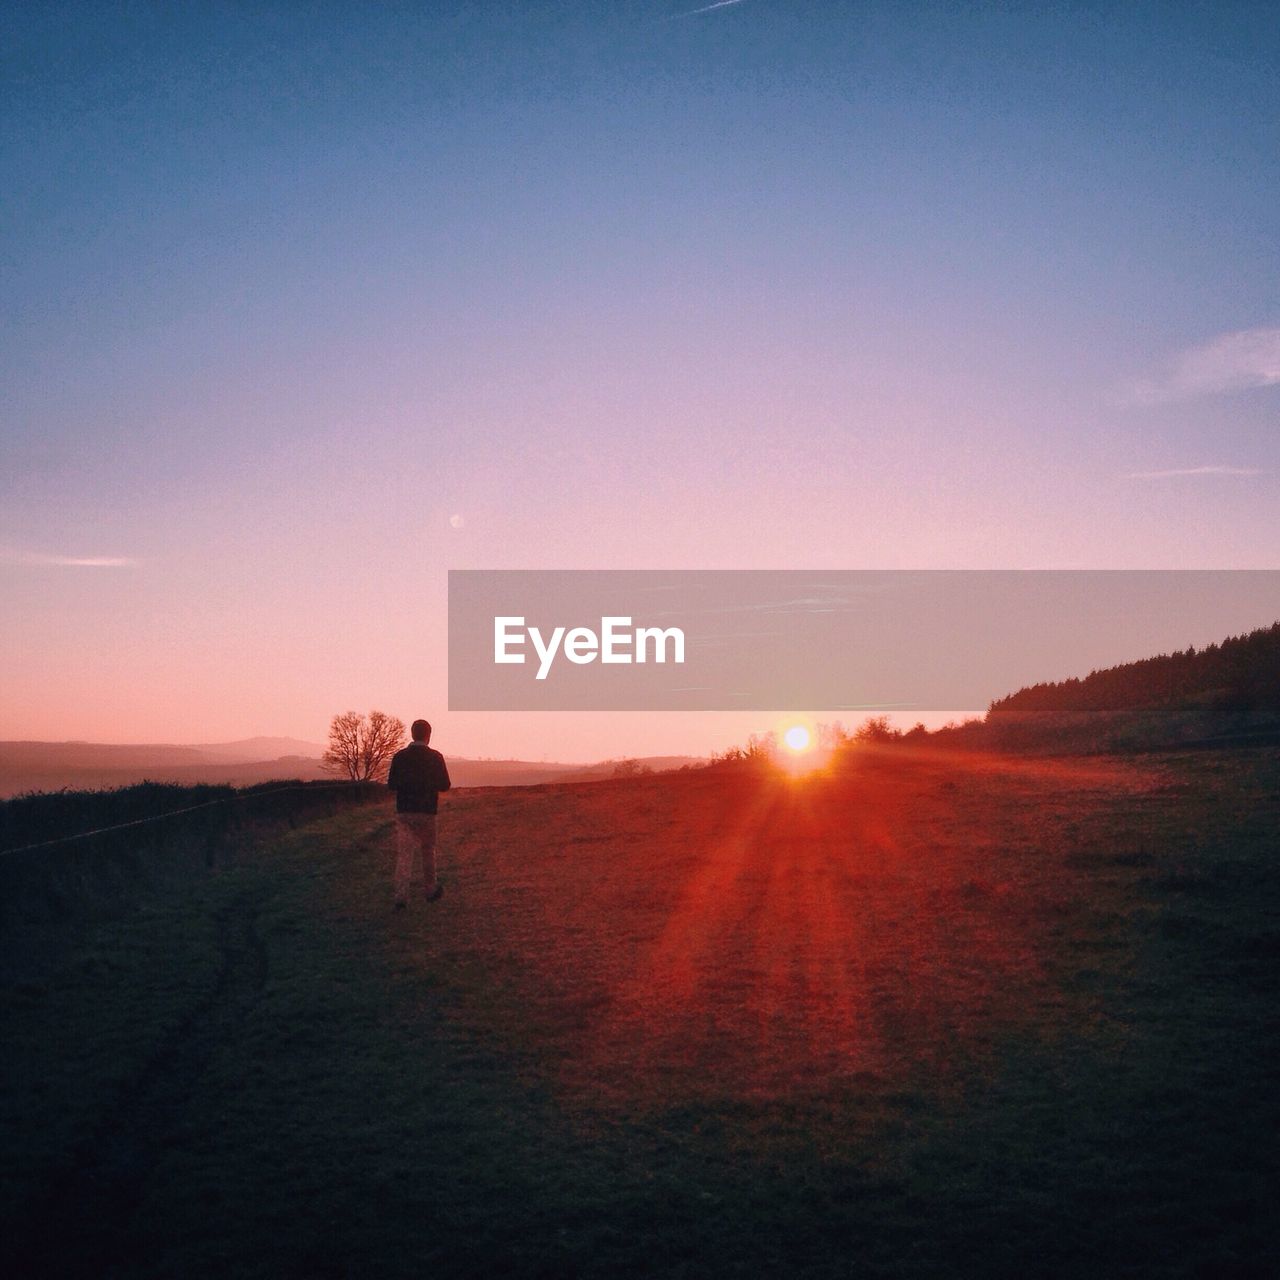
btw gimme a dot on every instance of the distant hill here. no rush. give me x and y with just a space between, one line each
630 766
261 749
93 766
95 755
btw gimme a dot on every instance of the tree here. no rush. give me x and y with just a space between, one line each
629 769
876 729
361 747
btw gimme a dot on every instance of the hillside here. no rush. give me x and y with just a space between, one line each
1240 675
944 1015
1224 693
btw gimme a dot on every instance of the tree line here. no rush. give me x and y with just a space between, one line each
1241 674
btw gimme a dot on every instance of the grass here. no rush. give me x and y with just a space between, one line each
920 1017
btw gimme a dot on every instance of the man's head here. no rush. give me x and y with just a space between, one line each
421 731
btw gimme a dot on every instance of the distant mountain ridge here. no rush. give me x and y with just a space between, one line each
90 766
124 755
261 748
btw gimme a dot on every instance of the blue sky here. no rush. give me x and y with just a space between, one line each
304 306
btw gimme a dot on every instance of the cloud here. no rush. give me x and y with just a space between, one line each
8 555
1194 471
1231 362
706 8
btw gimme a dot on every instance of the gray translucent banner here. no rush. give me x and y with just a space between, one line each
848 640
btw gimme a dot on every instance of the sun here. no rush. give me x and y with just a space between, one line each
798 738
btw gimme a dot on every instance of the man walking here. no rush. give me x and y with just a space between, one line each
418 775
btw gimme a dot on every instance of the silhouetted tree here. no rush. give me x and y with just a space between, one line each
876 729
629 769
361 747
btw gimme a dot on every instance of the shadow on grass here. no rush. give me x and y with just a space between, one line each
280 1077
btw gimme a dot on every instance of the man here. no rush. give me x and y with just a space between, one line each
418 775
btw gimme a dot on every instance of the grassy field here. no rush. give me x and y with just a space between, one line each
918 1017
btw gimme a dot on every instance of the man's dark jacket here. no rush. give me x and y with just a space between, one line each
418 775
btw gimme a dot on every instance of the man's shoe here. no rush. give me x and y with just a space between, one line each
437 893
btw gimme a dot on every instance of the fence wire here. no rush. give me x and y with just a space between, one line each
173 813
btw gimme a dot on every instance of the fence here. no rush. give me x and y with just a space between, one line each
55 880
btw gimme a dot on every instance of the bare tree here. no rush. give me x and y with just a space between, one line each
361 747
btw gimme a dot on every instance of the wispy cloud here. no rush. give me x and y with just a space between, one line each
10 555
707 8
1231 362
1194 471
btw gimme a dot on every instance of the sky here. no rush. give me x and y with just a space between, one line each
303 306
